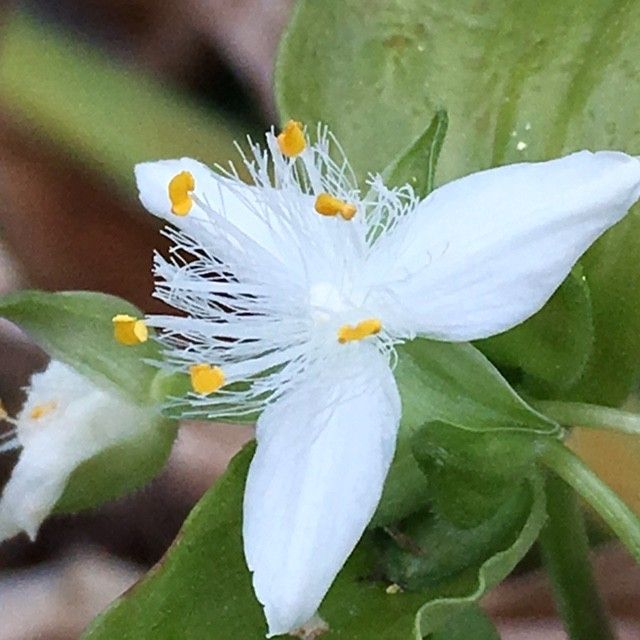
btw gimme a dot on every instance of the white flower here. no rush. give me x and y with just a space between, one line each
294 291
65 420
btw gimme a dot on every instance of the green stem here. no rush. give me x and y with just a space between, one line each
624 523
565 550
578 414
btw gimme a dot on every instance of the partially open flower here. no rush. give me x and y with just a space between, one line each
65 420
295 290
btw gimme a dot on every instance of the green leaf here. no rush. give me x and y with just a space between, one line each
376 72
460 626
471 474
470 587
542 347
429 551
612 269
76 327
456 384
120 469
417 165
109 115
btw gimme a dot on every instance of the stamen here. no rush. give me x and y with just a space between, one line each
129 330
364 329
41 410
180 189
3 412
328 205
206 379
291 140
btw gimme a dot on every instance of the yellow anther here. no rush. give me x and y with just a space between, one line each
206 379
180 189
328 205
129 330
364 329
41 410
3 412
291 140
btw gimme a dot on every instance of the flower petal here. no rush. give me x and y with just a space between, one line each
485 252
323 453
37 482
214 194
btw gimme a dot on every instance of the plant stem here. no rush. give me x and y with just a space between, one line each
578 414
624 522
565 550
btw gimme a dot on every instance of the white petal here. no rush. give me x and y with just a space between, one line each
221 198
323 453
37 482
485 252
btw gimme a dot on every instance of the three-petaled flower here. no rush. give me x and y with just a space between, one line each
294 291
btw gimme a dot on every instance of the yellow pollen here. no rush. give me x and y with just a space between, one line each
328 205
206 379
291 140
180 189
129 330
364 329
41 410
3 412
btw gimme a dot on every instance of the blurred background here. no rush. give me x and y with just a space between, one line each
87 89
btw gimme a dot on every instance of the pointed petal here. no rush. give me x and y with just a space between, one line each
36 483
323 453
219 197
485 252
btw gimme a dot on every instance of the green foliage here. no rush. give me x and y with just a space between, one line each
612 269
470 587
428 551
460 625
552 347
471 475
377 71
455 383
76 327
